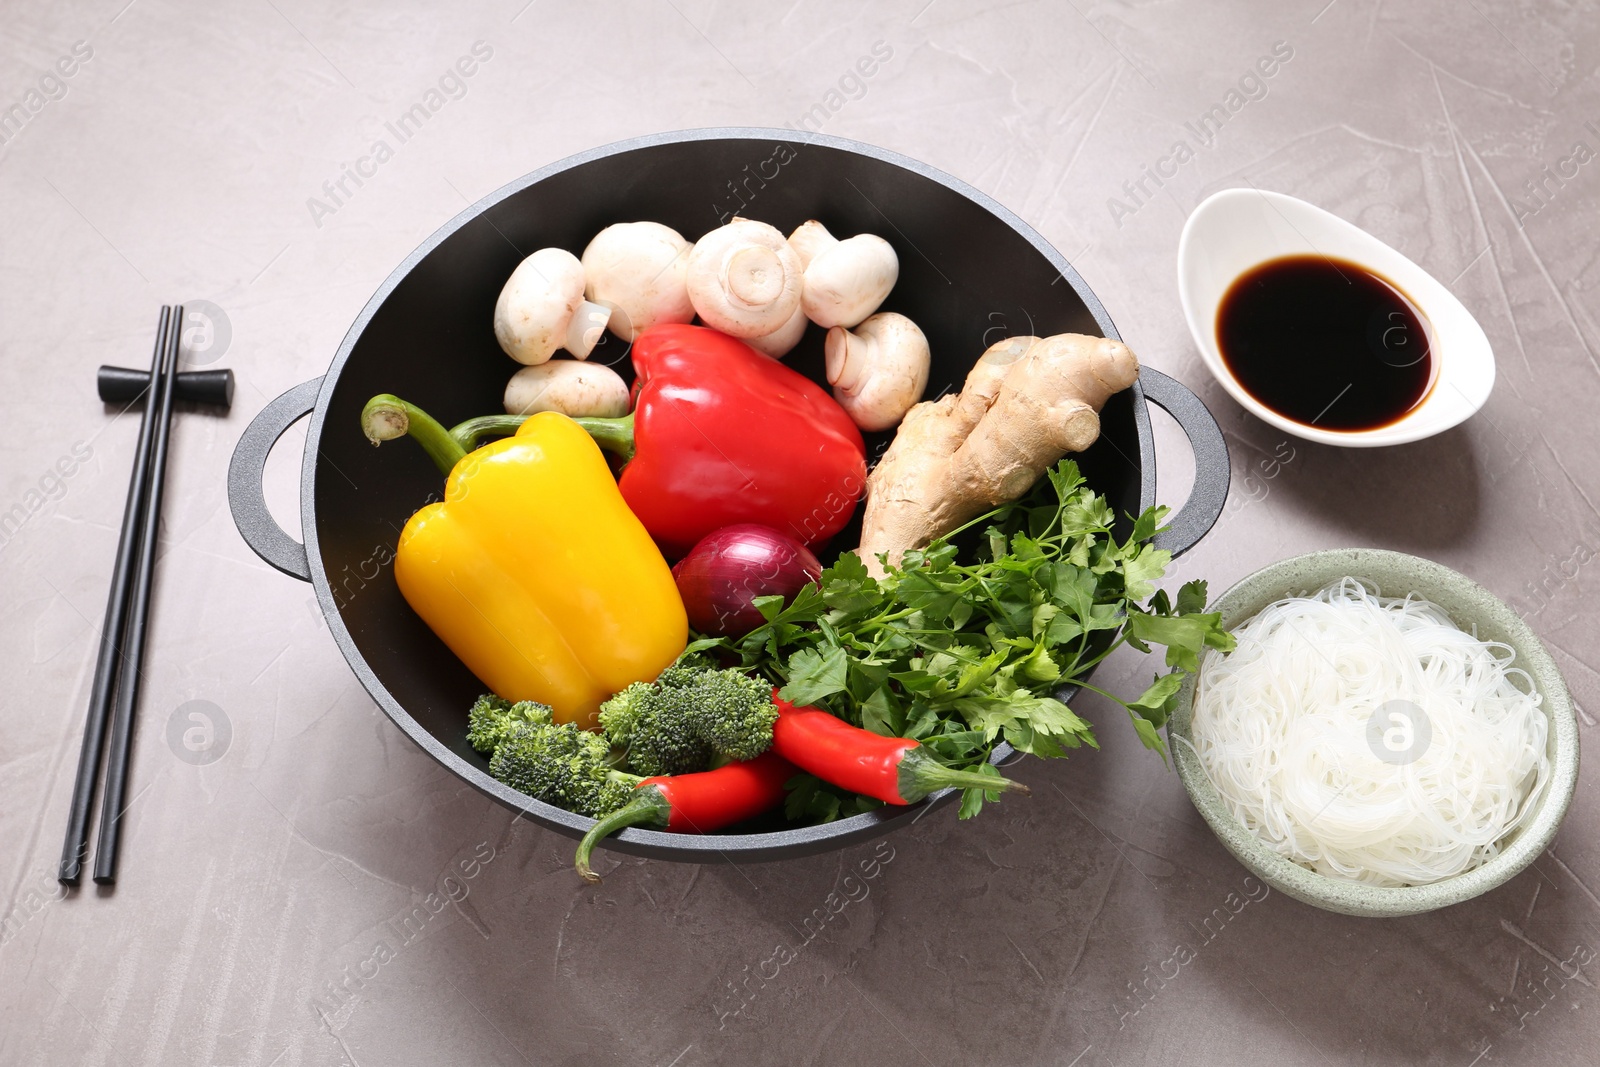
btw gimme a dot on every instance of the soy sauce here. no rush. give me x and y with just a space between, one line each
1326 342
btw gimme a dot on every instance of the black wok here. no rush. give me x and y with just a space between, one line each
971 273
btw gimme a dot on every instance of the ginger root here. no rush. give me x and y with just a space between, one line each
1025 404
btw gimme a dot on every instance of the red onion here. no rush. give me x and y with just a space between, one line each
732 566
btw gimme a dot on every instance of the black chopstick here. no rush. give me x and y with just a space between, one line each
75 847
112 807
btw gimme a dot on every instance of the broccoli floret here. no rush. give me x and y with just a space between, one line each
616 792
557 763
620 716
491 718
684 676
648 723
735 713
687 717
488 709
561 765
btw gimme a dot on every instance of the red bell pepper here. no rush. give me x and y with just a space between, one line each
721 434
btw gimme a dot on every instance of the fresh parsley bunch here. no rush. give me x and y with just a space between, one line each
962 655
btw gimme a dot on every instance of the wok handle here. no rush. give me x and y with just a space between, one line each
246 499
1204 506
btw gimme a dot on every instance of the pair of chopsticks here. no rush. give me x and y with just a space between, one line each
114 697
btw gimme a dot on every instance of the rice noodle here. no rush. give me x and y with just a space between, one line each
1283 726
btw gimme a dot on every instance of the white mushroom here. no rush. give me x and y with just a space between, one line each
637 270
845 281
778 343
744 279
808 239
879 370
572 388
542 309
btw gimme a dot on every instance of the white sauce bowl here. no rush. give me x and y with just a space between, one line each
1235 230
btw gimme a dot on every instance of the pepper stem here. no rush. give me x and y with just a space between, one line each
649 806
613 435
386 417
921 774
470 434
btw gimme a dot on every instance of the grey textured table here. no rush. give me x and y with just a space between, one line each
323 893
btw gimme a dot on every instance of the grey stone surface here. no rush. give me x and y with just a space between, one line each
274 904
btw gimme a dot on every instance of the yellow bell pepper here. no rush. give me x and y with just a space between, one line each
532 569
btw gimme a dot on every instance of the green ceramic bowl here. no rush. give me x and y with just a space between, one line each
1470 607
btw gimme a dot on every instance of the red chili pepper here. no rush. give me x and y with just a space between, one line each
695 803
896 770
721 434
